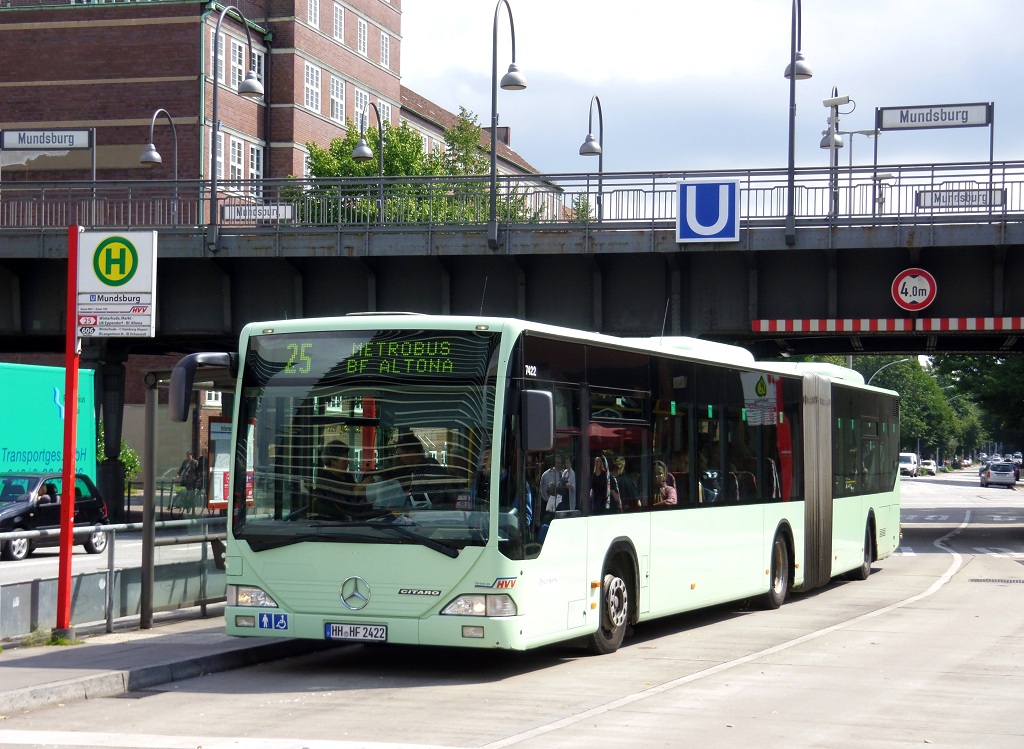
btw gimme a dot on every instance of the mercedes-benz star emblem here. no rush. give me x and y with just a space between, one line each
355 593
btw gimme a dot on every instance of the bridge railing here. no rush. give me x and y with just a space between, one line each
890 194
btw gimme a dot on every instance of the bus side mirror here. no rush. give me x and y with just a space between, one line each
537 412
183 377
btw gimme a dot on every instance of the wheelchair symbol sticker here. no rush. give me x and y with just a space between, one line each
708 211
273 621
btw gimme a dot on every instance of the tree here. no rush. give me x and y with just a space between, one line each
403 154
994 383
463 154
128 457
347 191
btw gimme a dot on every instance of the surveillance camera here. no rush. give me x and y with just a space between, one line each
836 101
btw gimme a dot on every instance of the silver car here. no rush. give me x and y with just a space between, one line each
1002 474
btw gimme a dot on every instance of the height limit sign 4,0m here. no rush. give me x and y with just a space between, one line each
914 289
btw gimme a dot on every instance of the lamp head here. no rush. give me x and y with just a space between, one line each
250 88
150 156
513 80
362 151
803 70
590 146
831 140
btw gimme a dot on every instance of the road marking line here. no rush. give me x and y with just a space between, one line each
659 689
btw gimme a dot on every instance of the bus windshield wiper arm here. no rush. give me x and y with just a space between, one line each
430 543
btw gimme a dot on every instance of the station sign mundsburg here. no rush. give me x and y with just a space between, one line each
45 140
116 284
933 116
708 211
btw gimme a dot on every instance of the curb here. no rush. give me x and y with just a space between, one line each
119 682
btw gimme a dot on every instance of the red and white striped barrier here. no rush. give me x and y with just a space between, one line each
889 325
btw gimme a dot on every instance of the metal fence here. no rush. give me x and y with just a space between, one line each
883 195
115 593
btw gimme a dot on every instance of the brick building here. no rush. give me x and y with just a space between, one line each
111 66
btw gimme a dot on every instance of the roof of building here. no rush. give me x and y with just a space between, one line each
436 115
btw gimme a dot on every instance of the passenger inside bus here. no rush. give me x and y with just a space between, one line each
664 495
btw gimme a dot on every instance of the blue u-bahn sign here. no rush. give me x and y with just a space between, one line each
708 211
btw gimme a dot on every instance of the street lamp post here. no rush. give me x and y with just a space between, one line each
151 156
796 70
591 147
833 141
851 133
513 80
885 366
363 152
250 87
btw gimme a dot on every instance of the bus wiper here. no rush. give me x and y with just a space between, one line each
391 522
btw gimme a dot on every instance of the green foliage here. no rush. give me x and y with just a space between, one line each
128 457
581 211
462 155
348 192
994 383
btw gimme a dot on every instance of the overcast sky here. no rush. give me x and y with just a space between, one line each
698 84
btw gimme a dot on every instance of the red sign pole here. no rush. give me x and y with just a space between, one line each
67 504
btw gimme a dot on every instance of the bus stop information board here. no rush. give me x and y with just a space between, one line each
116 284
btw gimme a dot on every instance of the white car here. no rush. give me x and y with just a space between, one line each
999 474
928 468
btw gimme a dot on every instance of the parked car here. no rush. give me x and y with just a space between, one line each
1000 474
928 468
965 463
32 501
908 464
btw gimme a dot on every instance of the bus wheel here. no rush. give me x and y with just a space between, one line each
16 549
614 614
862 572
779 581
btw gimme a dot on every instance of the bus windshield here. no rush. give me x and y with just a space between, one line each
369 436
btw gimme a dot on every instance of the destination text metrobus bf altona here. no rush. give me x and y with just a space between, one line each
782 477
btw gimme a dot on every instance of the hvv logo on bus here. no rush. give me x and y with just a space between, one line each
708 211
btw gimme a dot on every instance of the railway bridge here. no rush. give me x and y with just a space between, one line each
593 251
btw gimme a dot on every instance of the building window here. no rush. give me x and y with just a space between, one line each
337 99
339 23
385 50
256 170
362 34
312 97
217 55
220 154
212 398
313 13
237 64
256 63
362 103
236 165
385 111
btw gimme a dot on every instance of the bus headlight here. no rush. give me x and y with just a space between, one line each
481 605
248 595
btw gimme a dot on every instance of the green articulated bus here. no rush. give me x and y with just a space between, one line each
494 483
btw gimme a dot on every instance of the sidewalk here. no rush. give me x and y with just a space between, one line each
105 665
